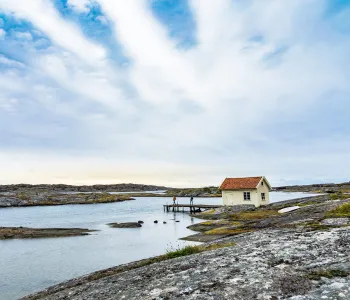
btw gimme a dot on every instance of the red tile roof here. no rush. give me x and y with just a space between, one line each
240 183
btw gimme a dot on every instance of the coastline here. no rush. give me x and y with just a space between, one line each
52 199
314 227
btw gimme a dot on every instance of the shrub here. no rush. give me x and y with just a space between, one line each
188 250
340 211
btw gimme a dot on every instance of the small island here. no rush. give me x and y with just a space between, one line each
50 198
125 225
33 233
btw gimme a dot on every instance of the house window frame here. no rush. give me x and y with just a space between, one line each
246 196
263 197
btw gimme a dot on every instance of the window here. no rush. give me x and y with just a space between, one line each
262 182
246 195
262 196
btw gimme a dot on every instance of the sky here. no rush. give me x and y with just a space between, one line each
180 93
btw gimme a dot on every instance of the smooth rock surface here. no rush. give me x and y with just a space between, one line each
267 264
335 221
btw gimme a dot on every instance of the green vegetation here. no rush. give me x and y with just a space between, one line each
189 250
221 222
228 230
317 275
338 196
318 226
208 212
340 211
23 196
254 215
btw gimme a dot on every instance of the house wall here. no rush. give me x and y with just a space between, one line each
263 189
235 197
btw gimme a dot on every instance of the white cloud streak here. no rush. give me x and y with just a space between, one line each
45 17
2 33
211 105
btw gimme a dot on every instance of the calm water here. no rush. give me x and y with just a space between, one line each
27 266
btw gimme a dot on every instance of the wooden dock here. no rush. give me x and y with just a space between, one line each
194 208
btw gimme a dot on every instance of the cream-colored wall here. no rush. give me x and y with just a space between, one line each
236 197
264 189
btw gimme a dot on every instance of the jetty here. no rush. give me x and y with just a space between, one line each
193 208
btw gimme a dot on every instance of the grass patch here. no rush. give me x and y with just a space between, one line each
317 275
208 212
340 211
254 215
23 196
221 222
338 196
318 226
207 223
228 230
189 250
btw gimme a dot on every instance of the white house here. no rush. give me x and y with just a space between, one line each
248 190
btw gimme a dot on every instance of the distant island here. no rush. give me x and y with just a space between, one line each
16 195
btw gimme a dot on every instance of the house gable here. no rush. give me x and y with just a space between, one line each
241 183
264 180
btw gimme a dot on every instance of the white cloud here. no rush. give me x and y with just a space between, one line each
9 62
8 104
102 20
2 33
81 6
175 113
24 36
43 15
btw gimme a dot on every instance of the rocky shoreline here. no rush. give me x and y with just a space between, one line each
264 254
60 194
20 199
316 188
32 233
61 188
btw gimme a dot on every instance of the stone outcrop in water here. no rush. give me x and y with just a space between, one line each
33 233
125 225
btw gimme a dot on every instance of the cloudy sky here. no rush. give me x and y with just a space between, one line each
174 92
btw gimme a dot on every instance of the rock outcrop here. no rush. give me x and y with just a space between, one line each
33 233
30 198
125 225
268 264
261 254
